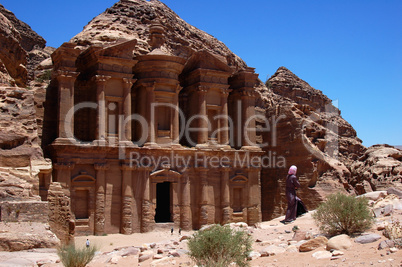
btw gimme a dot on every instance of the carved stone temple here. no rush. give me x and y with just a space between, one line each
139 139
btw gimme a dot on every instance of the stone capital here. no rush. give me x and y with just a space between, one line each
127 167
65 76
101 166
127 83
201 89
101 78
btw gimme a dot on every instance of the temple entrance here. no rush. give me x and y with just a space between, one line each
163 203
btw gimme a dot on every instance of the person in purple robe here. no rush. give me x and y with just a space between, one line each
295 205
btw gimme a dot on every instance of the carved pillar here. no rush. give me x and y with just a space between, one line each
224 138
151 114
254 201
176 122
248 118
204 196
126 196
175 203
202 111
100 198
186 220
225 196
101 117
127 83
66 80
63 175
147 214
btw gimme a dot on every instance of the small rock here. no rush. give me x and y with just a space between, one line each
322 255
393 250
339 242
130 251
312 244
386 244
337 253
272 250
292 249
157 257
287 231
258 240
369 238
184 237
253 255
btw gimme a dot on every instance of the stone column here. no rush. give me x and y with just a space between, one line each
204 196
151 114
66 80
202 111
101 117
224 138
127 84
63 175
176 119
147 218
225 196
254 202
126 196
175 203
186 220
248 105
100 198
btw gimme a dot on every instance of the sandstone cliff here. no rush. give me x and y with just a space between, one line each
21 51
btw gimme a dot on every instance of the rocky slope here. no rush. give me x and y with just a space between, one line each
311 134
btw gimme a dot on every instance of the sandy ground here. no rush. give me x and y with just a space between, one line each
271 232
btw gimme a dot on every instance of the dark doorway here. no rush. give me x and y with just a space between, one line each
163 202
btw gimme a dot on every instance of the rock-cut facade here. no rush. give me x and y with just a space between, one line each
138 140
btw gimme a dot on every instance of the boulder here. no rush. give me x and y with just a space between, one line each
369 238
148 254
312 244
339 242
302 235
253 255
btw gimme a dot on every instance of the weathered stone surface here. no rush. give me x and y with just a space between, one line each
369 238
16 240
339 242
22 50
381 166
312 244
302 235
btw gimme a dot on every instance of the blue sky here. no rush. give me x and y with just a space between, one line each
350 50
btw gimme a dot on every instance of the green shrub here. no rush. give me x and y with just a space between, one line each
342 214
45 76
219 246
71 256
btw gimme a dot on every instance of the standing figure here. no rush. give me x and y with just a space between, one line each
87 243
171 231
292 184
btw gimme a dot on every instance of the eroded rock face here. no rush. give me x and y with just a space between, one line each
21 50
380 166
306 131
